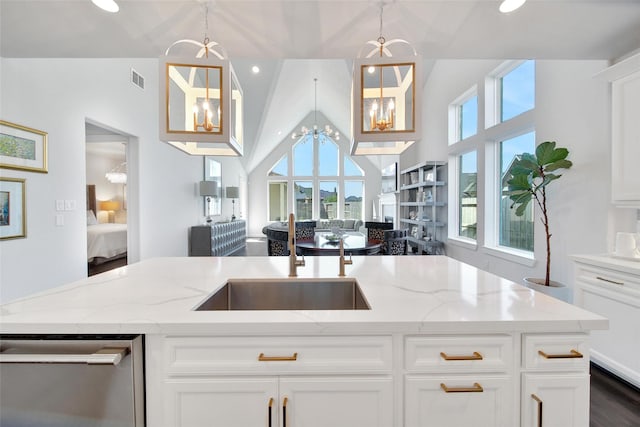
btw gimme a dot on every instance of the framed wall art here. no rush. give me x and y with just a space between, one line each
22 148
13 214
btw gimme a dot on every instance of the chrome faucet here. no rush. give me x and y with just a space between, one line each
294 262
343 261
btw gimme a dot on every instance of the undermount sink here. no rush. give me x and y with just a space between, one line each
287 294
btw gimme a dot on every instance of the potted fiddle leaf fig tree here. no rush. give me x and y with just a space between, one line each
531 175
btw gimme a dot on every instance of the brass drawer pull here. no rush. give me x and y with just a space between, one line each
575 354
284 411
477 388
609 281
537 399
263 358
474 356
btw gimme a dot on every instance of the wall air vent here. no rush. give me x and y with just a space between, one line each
137 79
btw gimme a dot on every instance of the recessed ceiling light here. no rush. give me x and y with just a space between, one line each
510 5
255 69
108 5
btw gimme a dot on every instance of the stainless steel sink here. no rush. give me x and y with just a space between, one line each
287 294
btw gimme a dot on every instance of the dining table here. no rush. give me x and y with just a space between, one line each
328 243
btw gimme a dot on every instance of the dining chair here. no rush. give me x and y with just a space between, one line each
395 242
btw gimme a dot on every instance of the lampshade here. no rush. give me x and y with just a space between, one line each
209 188
109 205
233 192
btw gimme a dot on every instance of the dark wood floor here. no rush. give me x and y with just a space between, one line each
614 403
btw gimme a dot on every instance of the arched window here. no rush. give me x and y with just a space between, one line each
317 179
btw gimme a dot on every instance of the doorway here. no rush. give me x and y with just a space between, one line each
107 183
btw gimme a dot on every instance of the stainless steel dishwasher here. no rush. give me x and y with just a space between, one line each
71 381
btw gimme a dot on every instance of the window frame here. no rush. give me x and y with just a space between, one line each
455 114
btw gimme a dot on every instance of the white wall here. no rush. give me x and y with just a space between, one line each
57 96
572 109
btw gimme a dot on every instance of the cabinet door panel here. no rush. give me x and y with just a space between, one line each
428 405
337 402
221 403
562 400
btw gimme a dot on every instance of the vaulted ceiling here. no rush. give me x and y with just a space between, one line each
295 41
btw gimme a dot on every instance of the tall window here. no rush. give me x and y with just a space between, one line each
514 231
468 117
278 201
463 116
303 196
328 200
468 195
313 177
353 198
517 91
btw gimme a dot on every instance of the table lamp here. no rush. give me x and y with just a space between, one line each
233 193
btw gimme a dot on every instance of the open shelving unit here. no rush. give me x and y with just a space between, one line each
423 206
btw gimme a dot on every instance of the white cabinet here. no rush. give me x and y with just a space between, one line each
213 402
481 400
423 196
625 131
459 380
337 401
557 400
269 381
555 380
399 380
611 288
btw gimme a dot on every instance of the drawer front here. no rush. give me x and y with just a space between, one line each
490 353
608 278
561 352
277 355
473 400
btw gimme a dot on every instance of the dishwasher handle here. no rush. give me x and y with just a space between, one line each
105 356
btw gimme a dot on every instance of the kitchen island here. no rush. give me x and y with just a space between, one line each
443 344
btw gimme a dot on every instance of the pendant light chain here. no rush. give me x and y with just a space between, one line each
381 39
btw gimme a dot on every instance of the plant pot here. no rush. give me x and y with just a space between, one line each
555 289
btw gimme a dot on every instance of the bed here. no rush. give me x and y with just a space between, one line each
106 241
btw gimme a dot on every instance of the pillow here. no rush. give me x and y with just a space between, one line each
349 223
91 218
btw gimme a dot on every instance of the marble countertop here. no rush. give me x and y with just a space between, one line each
410 294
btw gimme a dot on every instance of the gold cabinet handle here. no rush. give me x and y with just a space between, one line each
270 407
474 356
537 399
284 411
263 358
609 281
477 388
574 354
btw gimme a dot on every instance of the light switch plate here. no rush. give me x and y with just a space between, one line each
69 205
59 205
59 220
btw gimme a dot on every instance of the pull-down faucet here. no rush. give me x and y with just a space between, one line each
343 261
294 262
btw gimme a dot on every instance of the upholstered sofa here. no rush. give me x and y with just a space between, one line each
342 224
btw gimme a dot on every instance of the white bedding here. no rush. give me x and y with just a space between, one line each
106 240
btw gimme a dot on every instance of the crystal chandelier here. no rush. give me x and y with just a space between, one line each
327 132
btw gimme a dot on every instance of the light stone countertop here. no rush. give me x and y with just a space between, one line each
407 294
